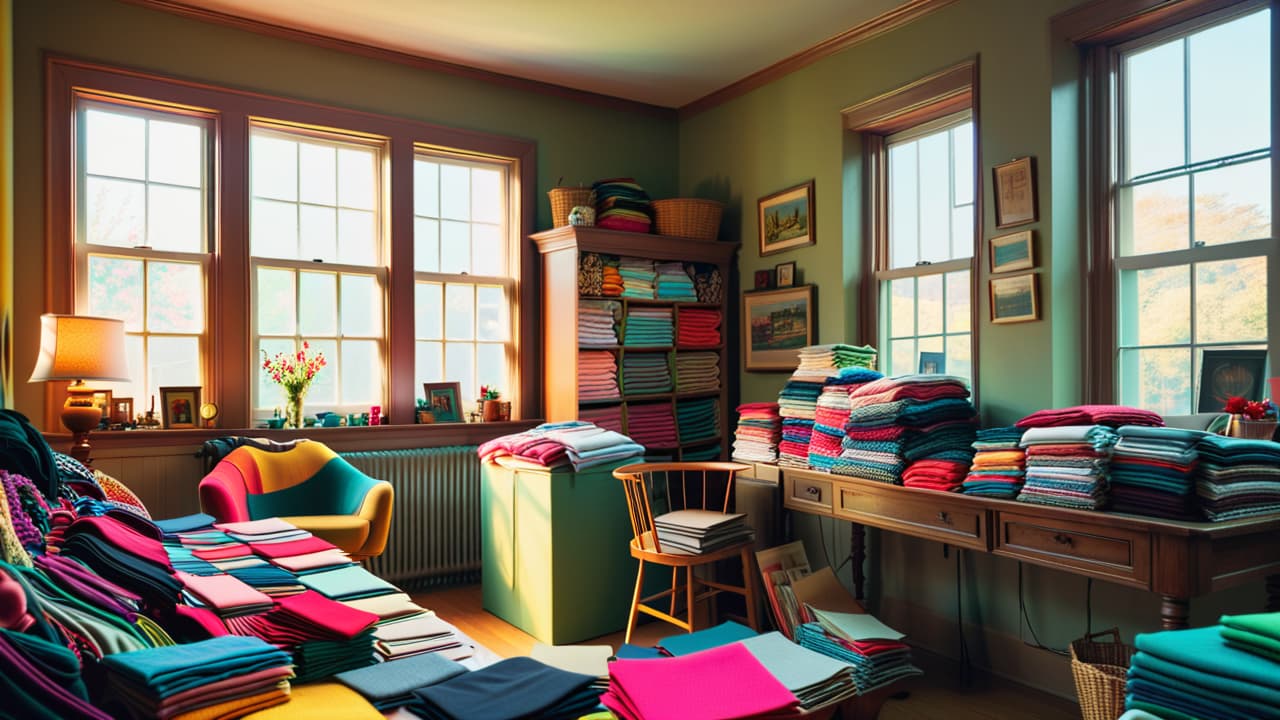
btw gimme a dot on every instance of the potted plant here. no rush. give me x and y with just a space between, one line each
1251 419
425 416
491 404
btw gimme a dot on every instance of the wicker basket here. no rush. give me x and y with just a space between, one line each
1252 429
1099 669
687 217
564 199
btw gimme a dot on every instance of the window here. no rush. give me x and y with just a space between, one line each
142 236
316 251
926 314
462 269
1192 199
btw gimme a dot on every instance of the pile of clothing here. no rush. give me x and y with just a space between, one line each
597 323
819 362
1109 415
832 414
638 277
797 404
1238 478
1153 472
648 327
653 425
999 463
878 657
697 372
896 422
674 283
698 419
597 375
758 432
645 373
1067 465
699 328
323 636
621 204
575 443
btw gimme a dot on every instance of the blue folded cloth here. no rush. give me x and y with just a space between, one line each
168 670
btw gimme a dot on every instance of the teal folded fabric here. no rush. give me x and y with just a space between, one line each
722 634
391 684
164 671
1200 657
347 583
1195 699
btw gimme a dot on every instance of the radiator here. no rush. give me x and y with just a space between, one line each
435 523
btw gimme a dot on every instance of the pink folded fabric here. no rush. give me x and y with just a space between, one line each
256 527
707 685
311 561
292 547
122 536
224 592
1114 415
221 689
222 553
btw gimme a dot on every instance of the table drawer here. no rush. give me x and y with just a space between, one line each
941 520
808 494
1107 552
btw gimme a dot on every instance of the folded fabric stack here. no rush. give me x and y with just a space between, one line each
696 532
254 571
323 635
41 678
1067 465
227 676
621 204
1109 415
815 679
674 283
708 283
609 417
590 660
118 552
894 422
940 475
390 685
611 278
1221 672
518 687
1238 478
645 373
653 426
798 404
831 414
698 419
224 594
575 443
876 652
597 375
597 323
648 326
758 432
590 274
638 277
697 372
706 685
699 328
999 463
1153 472
419 633
793 451
819 362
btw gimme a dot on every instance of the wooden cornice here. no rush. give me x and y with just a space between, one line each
1102 22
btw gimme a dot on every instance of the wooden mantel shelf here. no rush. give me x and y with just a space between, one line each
634 244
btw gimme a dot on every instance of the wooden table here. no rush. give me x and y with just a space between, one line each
1177 560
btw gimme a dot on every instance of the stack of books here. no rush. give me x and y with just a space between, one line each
697 532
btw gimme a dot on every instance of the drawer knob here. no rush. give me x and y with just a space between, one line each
944 517
1062 539
813 491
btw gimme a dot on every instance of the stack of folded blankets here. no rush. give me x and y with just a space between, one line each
674 283
323 636
597 323
645 373
648 326
608 417
621 204
1109 415
1153 472
1067 465
798 404
832 414
699 328
597 375
638 278
228 676
999 463
611 278
1238 478
697 532
1220 672
758 432
121 554
698 419
518 687
876 652
819 362
652 425
590 274
899 421
575 443
697 372
793 451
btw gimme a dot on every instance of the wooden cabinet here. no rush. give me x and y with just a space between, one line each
561 250
1113 553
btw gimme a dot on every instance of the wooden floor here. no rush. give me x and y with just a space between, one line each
937 695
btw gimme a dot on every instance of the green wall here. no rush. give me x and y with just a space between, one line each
577 141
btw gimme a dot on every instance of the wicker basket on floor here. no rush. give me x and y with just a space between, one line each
1099 669
564 199
694 218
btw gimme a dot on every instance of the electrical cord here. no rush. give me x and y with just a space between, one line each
966 665
1024 616
1088 607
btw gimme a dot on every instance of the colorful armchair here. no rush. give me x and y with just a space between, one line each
308 485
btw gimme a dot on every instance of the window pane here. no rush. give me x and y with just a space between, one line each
929 310
960 356
114 211
274 229
459 364
902 307
274 164
426 188
903 206
173 361
902 356
1231 300
115 144
1234 203
428 364
324 388
487 255
1153 109
276 302
318 233
317 174
136 388
426 245
357 178
115 290
1230 81
318 309
1155 306
1157 380
455 247
962 231
962 166
486 196
959 300
175 297
491 313
935 197
356 235
361 309
459 312
176 153
174 219
361 373
491 367
428 309
1154 217
270 394
455 192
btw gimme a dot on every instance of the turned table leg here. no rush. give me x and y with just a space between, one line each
1175 612
858 556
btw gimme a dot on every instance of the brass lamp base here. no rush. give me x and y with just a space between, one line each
80 416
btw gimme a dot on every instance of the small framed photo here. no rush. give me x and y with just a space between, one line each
775 325
763 280
932 363
442 398
1012 252
178 406
1014 299
102 401
1230 373
1015 195
786 274
122 410
785 219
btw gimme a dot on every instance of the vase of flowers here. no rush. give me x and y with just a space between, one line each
1251 419
294 373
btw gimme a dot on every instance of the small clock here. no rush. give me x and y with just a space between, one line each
208 412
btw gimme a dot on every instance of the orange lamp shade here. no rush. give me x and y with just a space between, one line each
79 347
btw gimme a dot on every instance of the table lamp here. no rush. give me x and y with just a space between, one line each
79 348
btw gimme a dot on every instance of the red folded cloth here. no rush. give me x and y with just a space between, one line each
291 547
1114 415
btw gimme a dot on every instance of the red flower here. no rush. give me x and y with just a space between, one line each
1235 405
1254 410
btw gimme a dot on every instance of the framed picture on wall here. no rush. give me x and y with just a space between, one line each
785 219
1012 252
122 410
1230 373
1015 195
775 325
786 273
442 398
1014 299
178 406
763 280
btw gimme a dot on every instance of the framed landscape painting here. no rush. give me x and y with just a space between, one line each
775 325
785 219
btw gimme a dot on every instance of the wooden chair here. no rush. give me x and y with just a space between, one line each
687 485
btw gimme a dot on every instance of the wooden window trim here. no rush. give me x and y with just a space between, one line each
229 360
